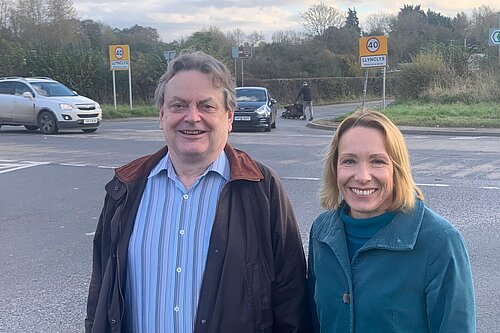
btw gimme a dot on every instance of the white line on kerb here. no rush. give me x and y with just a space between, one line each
490 188
73 164
434 185
301 178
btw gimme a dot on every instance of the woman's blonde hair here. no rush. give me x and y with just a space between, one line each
405 189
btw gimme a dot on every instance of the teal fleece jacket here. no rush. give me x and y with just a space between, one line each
413 275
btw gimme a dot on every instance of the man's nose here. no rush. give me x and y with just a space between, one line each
192 113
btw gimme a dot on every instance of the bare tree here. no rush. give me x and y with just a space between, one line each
255 37
60 10
319 17
379 24
236 36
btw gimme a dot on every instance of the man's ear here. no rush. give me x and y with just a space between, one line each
161 117
230 117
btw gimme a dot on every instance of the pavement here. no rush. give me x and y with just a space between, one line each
320 124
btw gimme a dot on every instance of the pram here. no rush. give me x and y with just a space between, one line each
293 111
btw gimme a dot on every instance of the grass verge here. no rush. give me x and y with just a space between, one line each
480 115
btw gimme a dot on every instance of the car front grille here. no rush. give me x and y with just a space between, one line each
86 107
87 115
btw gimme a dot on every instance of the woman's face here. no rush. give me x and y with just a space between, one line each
365 172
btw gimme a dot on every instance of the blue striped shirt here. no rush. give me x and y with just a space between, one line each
168 248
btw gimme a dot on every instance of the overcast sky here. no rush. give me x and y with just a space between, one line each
174 19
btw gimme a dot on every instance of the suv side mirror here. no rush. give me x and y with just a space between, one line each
27 94
273 101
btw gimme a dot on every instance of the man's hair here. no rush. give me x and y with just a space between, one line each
405 188
204 63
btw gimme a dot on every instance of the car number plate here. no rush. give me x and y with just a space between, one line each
242 118
90 121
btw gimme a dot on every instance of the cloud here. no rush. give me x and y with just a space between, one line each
175 19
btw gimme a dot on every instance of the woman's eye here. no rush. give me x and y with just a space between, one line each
379 162
348 161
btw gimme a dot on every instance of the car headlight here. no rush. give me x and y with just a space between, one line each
65 106
263 110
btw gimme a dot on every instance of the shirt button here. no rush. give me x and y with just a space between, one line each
181 232
176 309
179 269
113 321
346 298
203 321
185 196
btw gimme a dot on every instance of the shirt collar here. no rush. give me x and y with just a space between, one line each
220 166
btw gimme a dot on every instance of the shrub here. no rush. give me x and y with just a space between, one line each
428 68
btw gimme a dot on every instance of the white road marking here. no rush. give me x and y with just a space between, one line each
18 166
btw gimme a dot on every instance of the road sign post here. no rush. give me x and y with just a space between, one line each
119 60
241 52
373 54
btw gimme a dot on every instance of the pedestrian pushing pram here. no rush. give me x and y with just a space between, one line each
293 111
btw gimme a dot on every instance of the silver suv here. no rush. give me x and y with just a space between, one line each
45 104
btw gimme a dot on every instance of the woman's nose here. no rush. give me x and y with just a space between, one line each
363 173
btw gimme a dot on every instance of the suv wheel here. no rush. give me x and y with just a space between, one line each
31 127
47 123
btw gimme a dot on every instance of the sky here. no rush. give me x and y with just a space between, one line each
176 19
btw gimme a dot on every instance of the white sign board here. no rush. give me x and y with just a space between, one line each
494 39
373 61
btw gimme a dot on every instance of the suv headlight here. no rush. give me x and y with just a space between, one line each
263 111
65 106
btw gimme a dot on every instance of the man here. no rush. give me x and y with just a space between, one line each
306 93
197 237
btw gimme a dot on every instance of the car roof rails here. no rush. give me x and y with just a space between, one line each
11 77
40 77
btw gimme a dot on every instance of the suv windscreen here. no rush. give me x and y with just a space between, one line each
50 89
250 95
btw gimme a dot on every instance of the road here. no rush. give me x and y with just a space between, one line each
52 188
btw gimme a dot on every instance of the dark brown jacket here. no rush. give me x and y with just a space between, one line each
254 280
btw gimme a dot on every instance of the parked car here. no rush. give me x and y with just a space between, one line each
45 104
255 109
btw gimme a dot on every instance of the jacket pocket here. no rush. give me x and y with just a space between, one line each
258 287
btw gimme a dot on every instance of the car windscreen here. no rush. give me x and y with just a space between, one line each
250 95
51 89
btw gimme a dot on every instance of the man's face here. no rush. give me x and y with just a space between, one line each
193 118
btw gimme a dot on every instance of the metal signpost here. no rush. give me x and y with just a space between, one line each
241 52
373 54
119 60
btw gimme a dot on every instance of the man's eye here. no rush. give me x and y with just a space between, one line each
177 107
206 107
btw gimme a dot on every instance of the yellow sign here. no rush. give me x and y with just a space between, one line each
373 51
119 57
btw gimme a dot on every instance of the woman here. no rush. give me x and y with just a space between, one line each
379 259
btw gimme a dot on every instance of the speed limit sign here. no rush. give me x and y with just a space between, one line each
373 45
373 51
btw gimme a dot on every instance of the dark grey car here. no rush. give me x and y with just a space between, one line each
256 109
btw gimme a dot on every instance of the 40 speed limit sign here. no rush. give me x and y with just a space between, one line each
373 51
